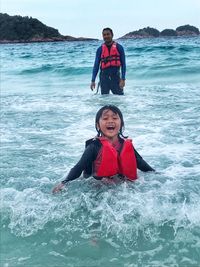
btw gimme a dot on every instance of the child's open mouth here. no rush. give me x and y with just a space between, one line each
110 128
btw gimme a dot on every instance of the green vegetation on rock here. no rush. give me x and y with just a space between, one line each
24 29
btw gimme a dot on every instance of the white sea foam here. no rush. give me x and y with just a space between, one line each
47 114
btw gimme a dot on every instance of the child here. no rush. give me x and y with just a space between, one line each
110 153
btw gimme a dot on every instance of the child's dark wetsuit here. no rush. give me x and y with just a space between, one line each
90 154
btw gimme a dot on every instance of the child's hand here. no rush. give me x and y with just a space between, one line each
58 188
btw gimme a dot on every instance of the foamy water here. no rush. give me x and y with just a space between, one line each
47 113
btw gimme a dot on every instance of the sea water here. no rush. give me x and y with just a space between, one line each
47 113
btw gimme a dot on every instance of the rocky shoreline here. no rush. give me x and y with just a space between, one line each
18 29
148 32
53 39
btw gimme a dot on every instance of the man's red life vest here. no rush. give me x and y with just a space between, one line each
110 59
112 163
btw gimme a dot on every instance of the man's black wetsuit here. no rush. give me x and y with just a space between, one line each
110 77
89 156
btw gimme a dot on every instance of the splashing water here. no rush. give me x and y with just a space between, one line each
47 114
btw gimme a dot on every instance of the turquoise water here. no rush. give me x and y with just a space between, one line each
47 113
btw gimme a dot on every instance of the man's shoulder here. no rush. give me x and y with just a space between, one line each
100 47
99 50
119 46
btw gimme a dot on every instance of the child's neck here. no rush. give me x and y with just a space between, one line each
112 140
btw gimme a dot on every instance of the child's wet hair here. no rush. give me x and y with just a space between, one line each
115 110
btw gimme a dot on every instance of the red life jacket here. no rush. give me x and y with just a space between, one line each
112 163
111 59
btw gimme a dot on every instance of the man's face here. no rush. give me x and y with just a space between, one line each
107 36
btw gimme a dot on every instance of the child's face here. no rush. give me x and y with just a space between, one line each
109 124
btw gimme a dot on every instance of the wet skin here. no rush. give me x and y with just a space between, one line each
109 125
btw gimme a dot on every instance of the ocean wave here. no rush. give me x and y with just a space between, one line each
57 69
44 125
97 207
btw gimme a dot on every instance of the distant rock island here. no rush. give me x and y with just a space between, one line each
185 30
18 29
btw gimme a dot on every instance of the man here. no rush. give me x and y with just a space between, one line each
110 57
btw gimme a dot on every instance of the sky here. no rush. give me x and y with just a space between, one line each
87 18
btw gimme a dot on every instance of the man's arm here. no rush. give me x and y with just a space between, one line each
96 63
122 60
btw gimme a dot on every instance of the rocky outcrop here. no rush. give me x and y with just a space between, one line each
71 38
18 29
142 33
168 32
186 30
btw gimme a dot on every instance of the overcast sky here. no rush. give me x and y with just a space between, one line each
87 18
